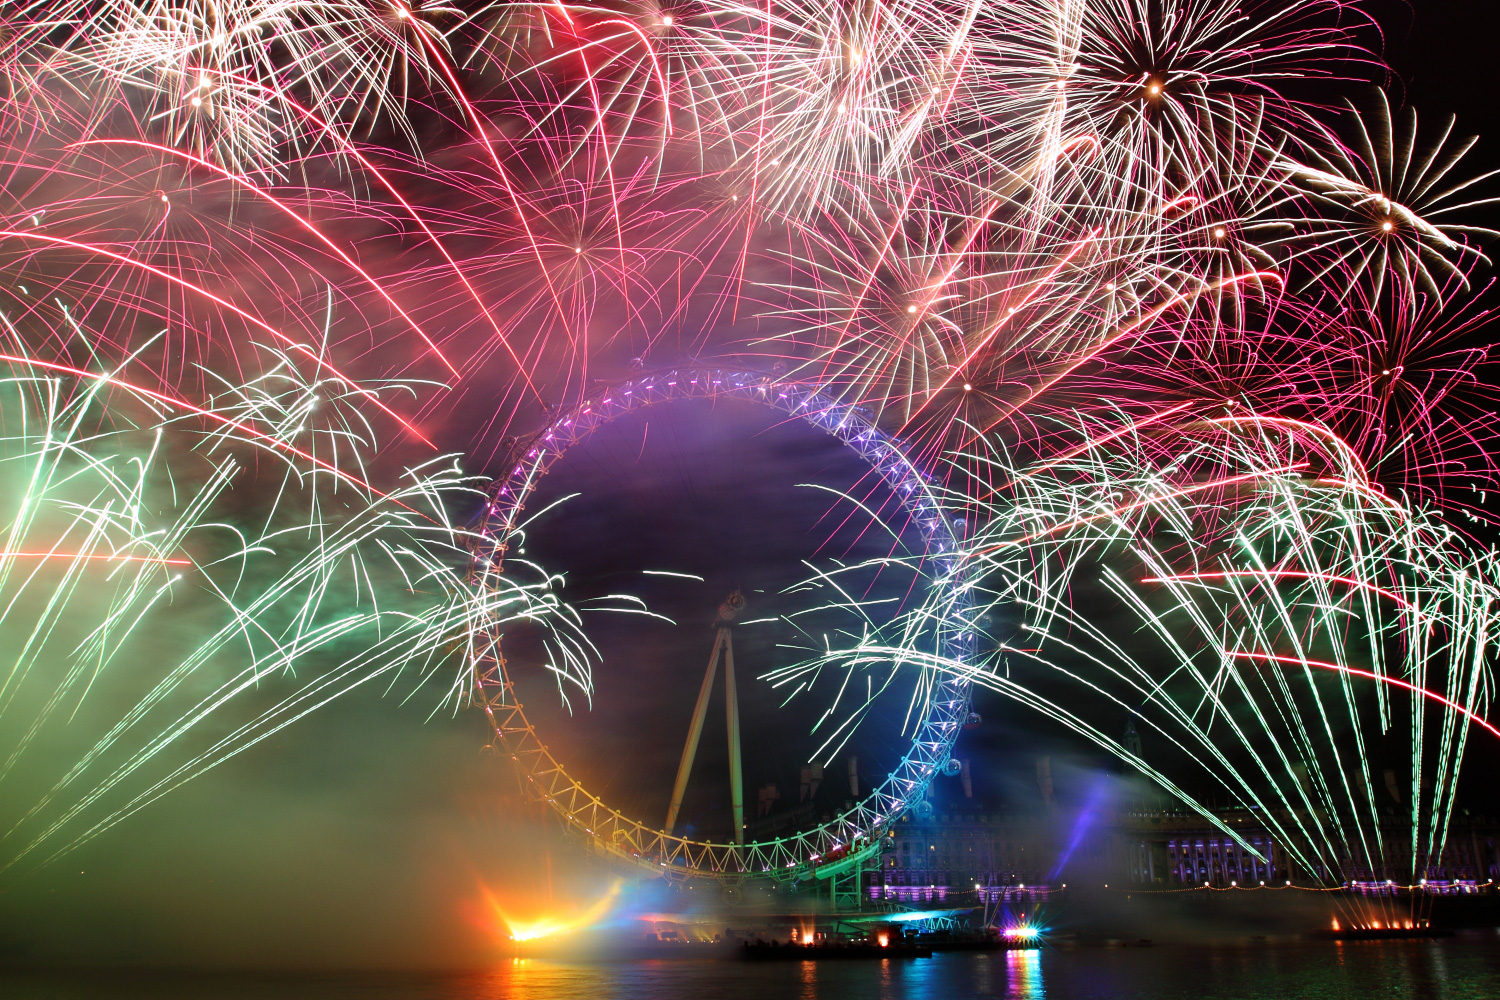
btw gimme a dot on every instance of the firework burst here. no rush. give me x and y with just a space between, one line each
1172 320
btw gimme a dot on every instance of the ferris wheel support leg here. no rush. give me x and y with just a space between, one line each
732 717
695 730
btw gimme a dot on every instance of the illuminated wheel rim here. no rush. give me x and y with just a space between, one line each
836 845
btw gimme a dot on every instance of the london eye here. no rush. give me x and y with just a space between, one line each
822 850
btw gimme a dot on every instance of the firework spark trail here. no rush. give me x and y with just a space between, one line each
1163 331
1382 678
250 185
243 314
282 597
1375 584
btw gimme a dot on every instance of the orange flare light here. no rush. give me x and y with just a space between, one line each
551 925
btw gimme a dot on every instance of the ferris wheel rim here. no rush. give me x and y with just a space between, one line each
855 831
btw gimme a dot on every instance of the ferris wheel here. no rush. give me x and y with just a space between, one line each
847 840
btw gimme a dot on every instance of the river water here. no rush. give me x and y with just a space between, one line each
1465 968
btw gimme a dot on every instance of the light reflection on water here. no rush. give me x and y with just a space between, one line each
1024 975
1461 969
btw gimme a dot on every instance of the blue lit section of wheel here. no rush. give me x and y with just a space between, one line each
838 844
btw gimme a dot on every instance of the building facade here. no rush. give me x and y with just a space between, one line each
966 857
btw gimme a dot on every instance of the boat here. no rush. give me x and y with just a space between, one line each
974 941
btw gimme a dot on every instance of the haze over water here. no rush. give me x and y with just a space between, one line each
1465 968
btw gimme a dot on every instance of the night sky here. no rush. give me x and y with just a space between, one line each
361 836
714 490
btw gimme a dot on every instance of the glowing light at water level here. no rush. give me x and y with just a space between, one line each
553 925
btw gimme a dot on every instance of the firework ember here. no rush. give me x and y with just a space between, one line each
1165 328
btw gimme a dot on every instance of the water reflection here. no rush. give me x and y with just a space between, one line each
809 972
1025 979
1440 970
1467 968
